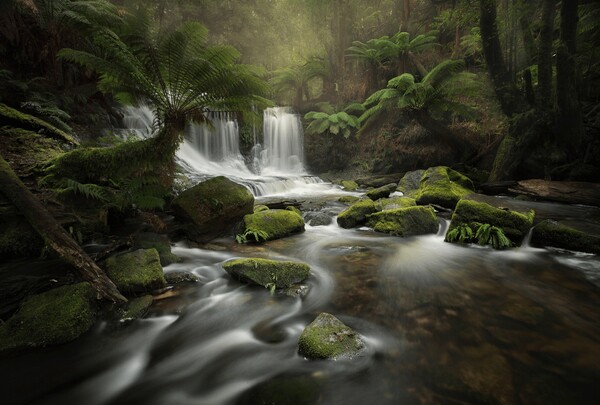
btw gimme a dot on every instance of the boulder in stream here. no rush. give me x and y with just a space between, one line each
213 207
552 233
148 240
395 202
382 192
136 271
410 182
404 221
267 273
317 218
181 276
329 338
272 224
356 214
56 316
349 185
442 186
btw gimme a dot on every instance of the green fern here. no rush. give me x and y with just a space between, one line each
462 234
492 235
89 190
252 236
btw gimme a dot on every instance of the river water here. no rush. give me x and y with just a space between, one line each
442 323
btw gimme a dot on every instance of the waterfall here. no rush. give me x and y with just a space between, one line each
283 142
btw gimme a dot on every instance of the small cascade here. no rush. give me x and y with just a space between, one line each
283 142
527 239
217 141
139 120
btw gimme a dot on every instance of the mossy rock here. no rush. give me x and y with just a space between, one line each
552 233
19 119
149 240
515 225
442 186
273 224
56 316
137 308
294 209
260 207
395 202
329 338
356 214
267 273
410 182
404 221
349 185
348 199
382 192
181 276
137 271
213 207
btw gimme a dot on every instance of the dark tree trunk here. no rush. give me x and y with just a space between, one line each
545 56
442 132
570 125
54 235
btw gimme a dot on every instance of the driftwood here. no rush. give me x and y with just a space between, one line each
496 187
572 192
54 234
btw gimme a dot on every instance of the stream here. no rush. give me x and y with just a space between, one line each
442 323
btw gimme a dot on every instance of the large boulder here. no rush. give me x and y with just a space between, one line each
552 233
515 225
56 316
271 224
317 218
382 192
356 214
410 182
395 202
137 271
329 338
213 207
149 240
267 273
404 221
442 186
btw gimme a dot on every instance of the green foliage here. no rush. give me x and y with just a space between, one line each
462 234
92 191
252 236
295 79
485 234
332 121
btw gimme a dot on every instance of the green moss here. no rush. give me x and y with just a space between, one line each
294 209
21 120
349 185
328 338
514 224
382 192
148 240
56 316
551 233
259 208
356 214
267 273
136 271
348 199
395 202
404 221
137 308
409 183
442 186
274 223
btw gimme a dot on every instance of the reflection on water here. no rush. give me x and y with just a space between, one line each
443 324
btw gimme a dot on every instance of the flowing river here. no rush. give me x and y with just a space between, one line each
442 324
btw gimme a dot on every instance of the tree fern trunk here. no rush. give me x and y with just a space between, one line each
544 101
54 235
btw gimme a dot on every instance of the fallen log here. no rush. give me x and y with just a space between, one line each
571 192
54 234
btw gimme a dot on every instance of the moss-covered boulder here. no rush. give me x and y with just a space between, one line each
442 186
149 240
382 192
349 185
552 233
329 338
356 214
294 209
137 271
272 224
410 182
515 225
404 221
260 207
137 308
395 202
213 207
348 199
56 316
267 273
317 218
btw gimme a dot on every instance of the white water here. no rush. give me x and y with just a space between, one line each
276 168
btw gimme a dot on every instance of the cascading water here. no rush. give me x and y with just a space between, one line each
283 142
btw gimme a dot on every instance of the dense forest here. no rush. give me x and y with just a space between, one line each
477 121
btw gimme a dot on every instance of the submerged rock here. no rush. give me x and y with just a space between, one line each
329 338
514 224
267 273
356 214
382 192
213 207
181 276
56 316
552 233
148 240
442 186
137 308
317 218
136 271
404 221
272 224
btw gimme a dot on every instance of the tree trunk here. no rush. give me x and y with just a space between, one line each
544 100
415 61
443 133
54 235
570 125
405 15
